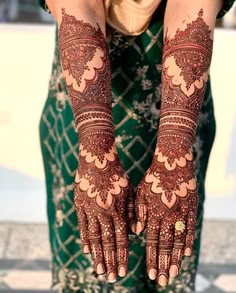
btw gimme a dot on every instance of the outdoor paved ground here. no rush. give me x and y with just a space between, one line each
25 255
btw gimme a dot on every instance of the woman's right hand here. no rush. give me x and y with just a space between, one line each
103 193
105 209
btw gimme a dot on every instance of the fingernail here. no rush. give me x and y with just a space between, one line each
133 228
171 280
188 252
122 271
86 249
100 269
152 274
111 278
162 280
138 228
174 271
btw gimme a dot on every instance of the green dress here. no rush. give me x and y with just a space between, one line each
136 86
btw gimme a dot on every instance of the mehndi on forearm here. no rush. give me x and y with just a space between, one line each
85 62
103 193
167 197
186 62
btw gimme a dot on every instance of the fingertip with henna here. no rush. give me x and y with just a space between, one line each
100 269
152 274
122 271
111 278
86 249
174 271
162 280
139 227
188 252
132 227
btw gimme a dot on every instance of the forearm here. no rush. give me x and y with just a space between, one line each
85 62
168 194
86 69
187 52
103 194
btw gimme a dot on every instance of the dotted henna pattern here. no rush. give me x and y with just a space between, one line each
103 194
168 192
193 63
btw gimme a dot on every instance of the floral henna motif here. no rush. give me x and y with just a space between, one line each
104 185
171 184
177 98
191 49
103 193
76 55
98 145
167 197
174 149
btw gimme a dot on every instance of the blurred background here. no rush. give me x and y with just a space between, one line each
27 36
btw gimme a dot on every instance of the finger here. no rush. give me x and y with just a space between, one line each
130 210
109 247
96 245
165 249
191 226
152 237
189 242
83 227
178 247
122 242
141 210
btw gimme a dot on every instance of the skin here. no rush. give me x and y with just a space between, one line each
103 193
168 192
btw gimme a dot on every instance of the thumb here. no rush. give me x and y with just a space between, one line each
130 210
141 210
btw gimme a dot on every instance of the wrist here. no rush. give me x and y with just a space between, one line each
174 147
98 140
178 123
175 139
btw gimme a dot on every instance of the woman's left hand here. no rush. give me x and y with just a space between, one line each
166 206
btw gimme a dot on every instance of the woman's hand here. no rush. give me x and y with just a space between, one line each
104 205
167 205
167 197
103 193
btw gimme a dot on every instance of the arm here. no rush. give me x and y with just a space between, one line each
167 198
102 191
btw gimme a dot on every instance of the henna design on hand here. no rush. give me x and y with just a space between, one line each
167 198
103 193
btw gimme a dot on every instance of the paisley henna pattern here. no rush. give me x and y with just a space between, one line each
103 194
168 192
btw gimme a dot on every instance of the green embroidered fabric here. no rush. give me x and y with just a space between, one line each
136 85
